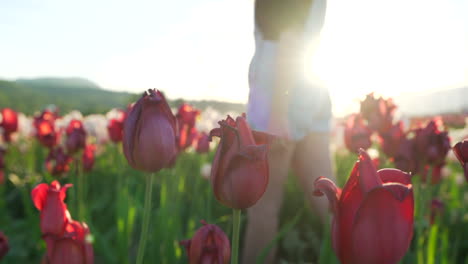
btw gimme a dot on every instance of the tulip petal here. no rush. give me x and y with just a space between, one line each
39 194
326 186
383 227
129 130
244 132
368 178
394 175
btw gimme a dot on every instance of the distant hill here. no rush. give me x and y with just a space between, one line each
75 83
434 102
31 95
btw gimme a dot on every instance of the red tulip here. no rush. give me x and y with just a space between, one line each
9 123
461 151
187 115
203 143
115 127
373 214
187 136
432 145
378 112
73 247
357 134
49 199
57 162
76 136
392 138
150 133
4 246
88 157
46 134
239 175
209 245
405 158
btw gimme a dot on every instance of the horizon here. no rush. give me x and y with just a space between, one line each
177 48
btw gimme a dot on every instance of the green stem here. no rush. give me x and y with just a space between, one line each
80 190
236 222
146 218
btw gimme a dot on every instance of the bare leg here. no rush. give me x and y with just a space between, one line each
262 224
312 159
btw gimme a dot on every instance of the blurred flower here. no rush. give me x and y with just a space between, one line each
239 175
76 136
9 123
205 170
187 137
45 129
203 143
88 157
404 157
461 151
57 162
378 112
96 126
187 115
431 144
209 245
369 201
391 139
49 200
357 135
115 124
4 246
150 133
73 247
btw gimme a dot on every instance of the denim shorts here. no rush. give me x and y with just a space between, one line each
309 106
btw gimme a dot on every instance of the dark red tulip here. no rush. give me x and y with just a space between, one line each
76 136
150 133
432 145
187 115
209 245
405 157
239 174
203 143
4 246
57 162
391 139
378 112
9 123
49 199
46 134
461 151
373 214
73 247
115 127
187 137
88 157
357 134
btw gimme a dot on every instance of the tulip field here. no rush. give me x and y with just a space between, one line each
147 184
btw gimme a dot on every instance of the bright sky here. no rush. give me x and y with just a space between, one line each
201 49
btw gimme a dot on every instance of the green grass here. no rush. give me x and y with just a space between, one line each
113 208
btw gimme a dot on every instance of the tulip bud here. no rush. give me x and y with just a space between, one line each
461 151
203 143
431 144
239 175
4 247
76 136
73 247
88 157
46 134
209 245
357 134
49 199
187 115
392 139
150 132
373 214
378 113
115 129
9 123
57 162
